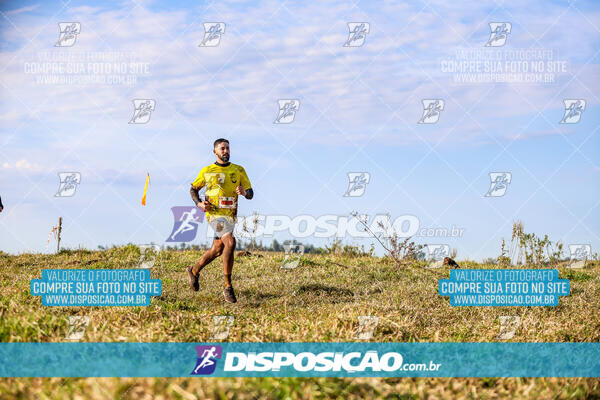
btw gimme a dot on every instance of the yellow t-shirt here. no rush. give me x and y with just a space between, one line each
221 182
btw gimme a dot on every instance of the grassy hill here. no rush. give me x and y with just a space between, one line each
320 300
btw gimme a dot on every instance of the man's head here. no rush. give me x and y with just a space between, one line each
221 150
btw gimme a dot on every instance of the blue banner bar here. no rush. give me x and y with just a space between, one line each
504 287
95 287
337 359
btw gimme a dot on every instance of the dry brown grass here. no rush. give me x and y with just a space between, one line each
318 301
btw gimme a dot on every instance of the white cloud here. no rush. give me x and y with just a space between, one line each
21 10
23 165
308 54
302 42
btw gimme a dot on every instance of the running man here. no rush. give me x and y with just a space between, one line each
224 181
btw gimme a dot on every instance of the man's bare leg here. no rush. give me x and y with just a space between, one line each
215 251
228 258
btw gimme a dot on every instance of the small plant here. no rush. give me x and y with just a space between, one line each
516 243
534 249
490 261
453 253
337 248
555 252
251 231
503 259
400 250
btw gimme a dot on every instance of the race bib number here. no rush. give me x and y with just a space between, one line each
226 202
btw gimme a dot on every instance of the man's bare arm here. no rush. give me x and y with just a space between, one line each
246 193
202 204
195 195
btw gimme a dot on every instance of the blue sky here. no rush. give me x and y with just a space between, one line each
359 111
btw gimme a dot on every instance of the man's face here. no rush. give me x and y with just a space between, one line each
222 151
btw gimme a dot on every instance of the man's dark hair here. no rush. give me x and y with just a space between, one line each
221 140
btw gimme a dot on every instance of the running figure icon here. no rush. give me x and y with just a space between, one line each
188 223
207 357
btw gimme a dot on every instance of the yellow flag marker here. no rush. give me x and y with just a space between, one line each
146 188
54 228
